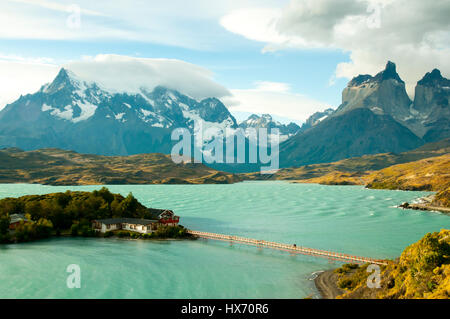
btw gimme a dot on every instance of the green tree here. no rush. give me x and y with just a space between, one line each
4 223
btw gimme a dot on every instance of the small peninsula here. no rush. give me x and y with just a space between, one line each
99 213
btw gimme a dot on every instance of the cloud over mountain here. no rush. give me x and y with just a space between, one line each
413 33
120 73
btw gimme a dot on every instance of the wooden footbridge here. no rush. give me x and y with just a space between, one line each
288 248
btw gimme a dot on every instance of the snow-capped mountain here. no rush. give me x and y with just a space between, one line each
266 121
78 114
316 118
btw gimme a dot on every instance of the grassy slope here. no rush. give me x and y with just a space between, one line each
354 170
59 167
431 174
422 271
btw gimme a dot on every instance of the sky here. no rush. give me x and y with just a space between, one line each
289 58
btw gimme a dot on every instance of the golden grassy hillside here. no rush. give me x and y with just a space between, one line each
431 174
442 198
349 171
339 178
59 167
421 272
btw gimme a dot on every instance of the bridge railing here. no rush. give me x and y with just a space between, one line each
300 249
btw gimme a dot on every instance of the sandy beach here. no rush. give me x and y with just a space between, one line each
326 284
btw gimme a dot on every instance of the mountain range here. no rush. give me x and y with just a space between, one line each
75 114
376 116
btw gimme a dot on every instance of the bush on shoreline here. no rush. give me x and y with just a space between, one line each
64 209
163 232
71 213
421 272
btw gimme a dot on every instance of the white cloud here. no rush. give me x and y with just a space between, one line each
413 33
272 86
19 76
174 22
128 74
273 98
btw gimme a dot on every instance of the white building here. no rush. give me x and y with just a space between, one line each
143 226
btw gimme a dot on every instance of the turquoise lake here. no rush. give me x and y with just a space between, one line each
348 219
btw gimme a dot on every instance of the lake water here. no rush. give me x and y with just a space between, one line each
348 219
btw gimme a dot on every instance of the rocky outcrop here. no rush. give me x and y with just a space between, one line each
432 106
266 121
316 118
351 134
384 93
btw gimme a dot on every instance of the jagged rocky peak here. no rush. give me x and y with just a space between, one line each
360 79
78 113
384 93
213 110
390 72
316 118
434 78
266 121
432 93
64 79
431 103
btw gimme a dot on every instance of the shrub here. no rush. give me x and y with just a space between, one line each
123 233
74 229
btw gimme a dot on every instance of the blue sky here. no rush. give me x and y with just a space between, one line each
287 58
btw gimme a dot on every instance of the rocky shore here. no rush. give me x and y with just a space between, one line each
426 203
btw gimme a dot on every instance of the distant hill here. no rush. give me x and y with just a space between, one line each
59 167
429 174
350 171
355 133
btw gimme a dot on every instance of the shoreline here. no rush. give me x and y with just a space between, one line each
325 283
425 204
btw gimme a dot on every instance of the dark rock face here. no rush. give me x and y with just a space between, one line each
354 133
432 105
384 93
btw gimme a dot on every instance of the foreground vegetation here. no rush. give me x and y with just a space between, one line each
421 272
71 213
